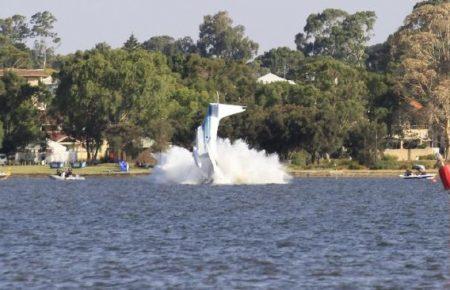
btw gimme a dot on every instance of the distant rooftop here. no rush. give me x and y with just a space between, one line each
272 78
25 72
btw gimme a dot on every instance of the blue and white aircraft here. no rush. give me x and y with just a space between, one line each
205 149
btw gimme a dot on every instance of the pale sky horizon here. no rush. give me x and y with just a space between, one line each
83 23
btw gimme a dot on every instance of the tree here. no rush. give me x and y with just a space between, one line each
421 62
15 28
281 61
338 34
366 142
219 38
42 31
169 46
2 134
163 43
14 31
18 113
131 43
105 89
14 55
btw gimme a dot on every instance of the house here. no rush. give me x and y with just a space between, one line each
413 143
75 148
33 76
272 78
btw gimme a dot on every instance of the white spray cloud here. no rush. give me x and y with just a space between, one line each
56 152
237 162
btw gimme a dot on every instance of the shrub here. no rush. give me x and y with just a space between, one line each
387 157
300 158
387 162
349 164
427 157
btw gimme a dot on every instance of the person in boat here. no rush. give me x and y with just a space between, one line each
408 172
69 172
58 172
420 169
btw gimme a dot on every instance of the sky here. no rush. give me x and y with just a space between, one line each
83 23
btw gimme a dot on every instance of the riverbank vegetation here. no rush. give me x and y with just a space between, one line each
103 169
348 96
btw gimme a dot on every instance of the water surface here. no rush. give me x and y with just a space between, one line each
312 233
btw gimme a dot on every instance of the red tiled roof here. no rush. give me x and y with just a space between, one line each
26 72
57 136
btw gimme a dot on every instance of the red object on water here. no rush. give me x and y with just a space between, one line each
444 173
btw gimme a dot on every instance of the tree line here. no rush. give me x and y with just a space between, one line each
347 97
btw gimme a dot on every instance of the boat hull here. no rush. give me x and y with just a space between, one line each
4 176
424 176
62 178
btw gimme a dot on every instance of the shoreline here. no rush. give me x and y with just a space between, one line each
107 170
365 173
115 174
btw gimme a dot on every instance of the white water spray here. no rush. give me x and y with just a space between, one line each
238 164
56 152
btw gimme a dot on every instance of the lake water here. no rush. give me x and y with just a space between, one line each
127 233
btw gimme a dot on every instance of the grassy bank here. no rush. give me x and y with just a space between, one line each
349 173
348 168
310 171
345 164
100 169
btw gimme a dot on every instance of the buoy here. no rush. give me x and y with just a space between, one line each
444 171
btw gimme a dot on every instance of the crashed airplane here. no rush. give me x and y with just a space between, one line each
205 149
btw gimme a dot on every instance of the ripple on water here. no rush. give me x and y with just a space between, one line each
311 233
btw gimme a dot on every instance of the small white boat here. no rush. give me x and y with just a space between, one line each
418 176
72 177
4 175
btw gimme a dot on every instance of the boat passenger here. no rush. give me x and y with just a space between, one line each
69 172
408 172
58 172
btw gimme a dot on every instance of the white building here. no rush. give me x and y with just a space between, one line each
271 78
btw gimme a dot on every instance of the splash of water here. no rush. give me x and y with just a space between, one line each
56 152
237 162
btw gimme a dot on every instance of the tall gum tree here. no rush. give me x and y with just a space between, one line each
421 66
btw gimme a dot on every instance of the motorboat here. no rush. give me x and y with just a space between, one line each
417 176
4 175
62 177
205 149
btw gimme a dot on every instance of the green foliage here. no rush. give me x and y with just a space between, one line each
428 157
219 38
18 113
2 134
386 162
366 142
15 32
169 46
300 158
103 87
131 43
420 66
281 61
338 34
